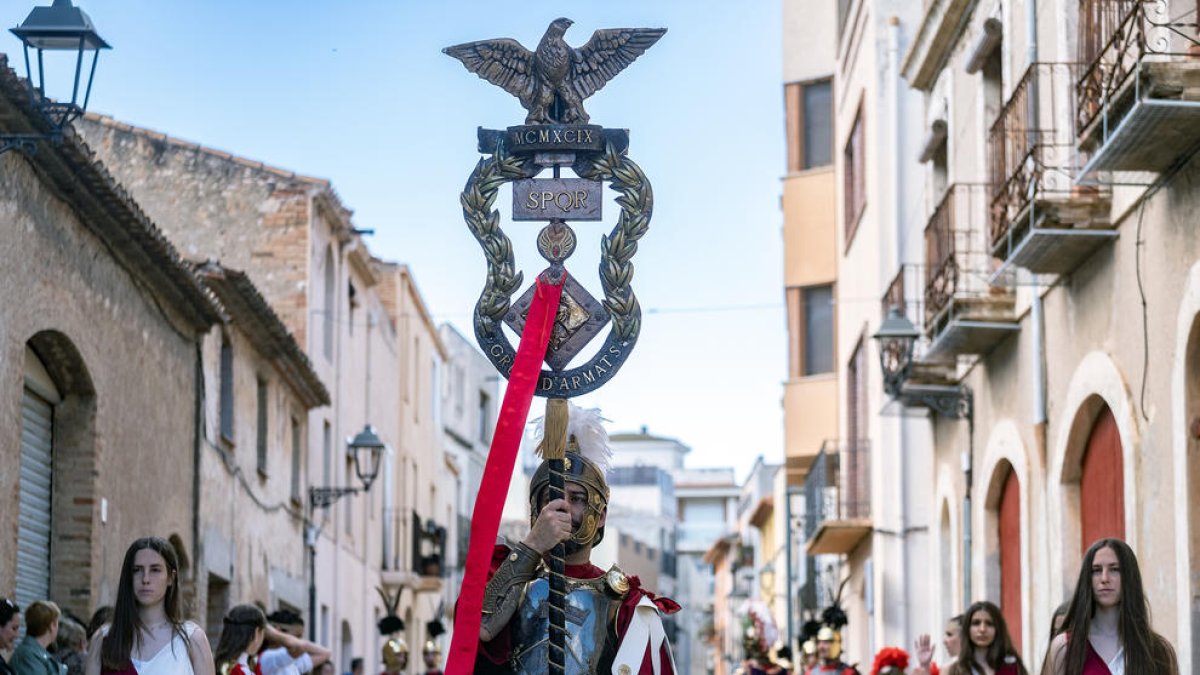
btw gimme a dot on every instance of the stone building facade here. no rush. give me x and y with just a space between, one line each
420 520
101 333
258 390
295 240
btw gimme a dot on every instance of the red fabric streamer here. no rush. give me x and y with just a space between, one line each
489 503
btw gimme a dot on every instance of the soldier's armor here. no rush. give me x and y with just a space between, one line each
591 612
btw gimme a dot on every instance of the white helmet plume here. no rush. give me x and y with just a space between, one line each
585 435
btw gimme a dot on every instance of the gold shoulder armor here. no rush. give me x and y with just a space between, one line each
617 581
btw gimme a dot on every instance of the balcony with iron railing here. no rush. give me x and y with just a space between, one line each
966 310
413 551
837 498
906 294
1040 219
1137 90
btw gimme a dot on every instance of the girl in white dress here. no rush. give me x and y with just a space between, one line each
148 635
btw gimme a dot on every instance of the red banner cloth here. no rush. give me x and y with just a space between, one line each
489 503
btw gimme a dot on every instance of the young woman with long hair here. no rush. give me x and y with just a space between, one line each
148 635
1111 617
986 647
241 637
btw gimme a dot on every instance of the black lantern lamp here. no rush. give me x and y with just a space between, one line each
60 27
366 449
895 337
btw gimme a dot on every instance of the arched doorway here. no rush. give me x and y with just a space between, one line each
347 647
1192 420
56 485
1102 483
948 563
36 481
1009 510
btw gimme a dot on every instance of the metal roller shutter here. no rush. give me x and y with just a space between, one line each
33 530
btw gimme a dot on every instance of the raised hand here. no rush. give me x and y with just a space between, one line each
552 525
923 650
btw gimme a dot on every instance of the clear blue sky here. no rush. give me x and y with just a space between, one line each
360 93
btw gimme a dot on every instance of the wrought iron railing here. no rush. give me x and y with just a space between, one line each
957 262
1031 146
838 485
905 292
1115 37
894 295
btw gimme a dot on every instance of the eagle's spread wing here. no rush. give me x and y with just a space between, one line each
504 63
606 54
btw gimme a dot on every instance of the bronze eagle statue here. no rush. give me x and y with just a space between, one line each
552 81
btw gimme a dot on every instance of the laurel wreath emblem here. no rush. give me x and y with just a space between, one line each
617 249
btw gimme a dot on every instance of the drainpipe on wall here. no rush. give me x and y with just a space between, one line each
898 223
197 450
1036 313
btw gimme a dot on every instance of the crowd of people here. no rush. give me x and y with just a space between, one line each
145 632
1104 629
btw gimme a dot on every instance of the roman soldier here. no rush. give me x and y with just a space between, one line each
432 655
829 651
395 656
613 624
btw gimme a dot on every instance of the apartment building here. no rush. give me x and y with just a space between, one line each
1027 218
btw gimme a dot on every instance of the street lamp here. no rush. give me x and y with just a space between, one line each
896 337
59 27
366 448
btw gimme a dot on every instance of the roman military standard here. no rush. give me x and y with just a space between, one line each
538 605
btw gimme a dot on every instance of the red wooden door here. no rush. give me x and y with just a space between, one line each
1102 483
1010 556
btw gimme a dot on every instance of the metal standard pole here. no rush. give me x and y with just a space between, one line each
555 439
558 582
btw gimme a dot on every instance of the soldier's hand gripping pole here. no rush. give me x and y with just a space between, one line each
554 451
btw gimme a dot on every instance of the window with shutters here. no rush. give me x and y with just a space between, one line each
330 298
227 391
297 440
854 174
260 432
485 423
327 454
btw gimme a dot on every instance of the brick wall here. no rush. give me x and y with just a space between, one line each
124 433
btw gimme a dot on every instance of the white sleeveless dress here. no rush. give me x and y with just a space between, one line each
173 659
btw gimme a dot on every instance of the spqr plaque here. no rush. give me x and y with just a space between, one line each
561 198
